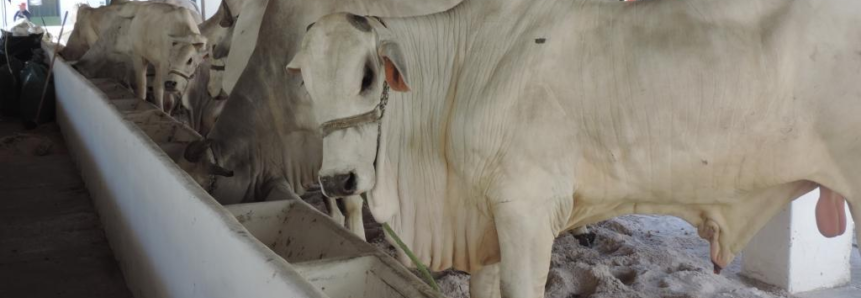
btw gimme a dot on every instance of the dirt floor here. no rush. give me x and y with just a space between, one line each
632 256
637 256
51 240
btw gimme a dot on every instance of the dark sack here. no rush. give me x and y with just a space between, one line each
33 82
19 47
10 87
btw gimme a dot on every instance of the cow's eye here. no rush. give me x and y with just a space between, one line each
368 78
189 61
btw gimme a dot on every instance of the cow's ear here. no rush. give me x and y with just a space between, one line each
293 66
196 149
393 61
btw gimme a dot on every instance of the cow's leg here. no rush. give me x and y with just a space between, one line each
525 243
139 65
855 209
354 216
854 202
334 211
485 283
158 86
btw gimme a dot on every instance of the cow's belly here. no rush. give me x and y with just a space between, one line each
701 170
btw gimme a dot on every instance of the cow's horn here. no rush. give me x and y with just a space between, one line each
195 150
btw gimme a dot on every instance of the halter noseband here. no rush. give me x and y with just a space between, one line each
372 116
184 76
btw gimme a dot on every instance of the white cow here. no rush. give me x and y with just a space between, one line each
167 37
512 121
112 40
267 133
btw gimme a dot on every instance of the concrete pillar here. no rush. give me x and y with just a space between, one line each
789 251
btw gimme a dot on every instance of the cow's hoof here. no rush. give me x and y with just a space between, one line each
586 239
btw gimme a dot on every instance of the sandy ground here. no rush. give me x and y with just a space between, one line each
16 142
637 256
632 256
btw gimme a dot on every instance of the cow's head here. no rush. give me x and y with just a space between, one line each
198 161
344 63
186 53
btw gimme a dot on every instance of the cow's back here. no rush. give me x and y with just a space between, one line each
662 99
155 24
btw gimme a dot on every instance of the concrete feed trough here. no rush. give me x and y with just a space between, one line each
172 239
327 255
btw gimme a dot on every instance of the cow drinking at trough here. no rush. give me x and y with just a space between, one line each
266 134
167 37
122 39
481 133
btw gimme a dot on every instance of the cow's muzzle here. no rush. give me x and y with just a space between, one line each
340 185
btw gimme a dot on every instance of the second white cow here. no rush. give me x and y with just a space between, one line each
167 37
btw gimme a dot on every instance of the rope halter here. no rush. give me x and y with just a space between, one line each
372 116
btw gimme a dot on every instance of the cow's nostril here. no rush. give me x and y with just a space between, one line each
170 84
339 185
350 184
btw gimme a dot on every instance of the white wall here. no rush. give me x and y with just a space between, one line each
171 238
211 8
10 9
789 251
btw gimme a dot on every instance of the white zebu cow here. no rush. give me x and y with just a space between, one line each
167 37
512 121
109 40
267 134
